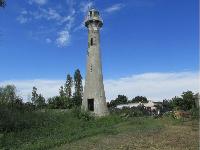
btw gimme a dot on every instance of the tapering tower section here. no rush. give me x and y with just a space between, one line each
94 99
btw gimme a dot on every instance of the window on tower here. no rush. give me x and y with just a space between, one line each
96 13
90 68
91 41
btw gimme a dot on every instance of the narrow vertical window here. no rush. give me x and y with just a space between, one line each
90 68
91 41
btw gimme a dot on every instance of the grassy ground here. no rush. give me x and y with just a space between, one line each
63 131
158 136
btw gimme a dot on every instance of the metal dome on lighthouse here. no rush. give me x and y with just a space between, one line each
93 17
94 99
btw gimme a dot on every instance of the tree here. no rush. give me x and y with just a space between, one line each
78 94
68 86
2 3
61 91
141 99
56 102
188 100
40 102
34 95
68 103
121 99
37 100
78 83
166 105
8 94
177 103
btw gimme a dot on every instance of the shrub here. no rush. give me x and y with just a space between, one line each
168 114
17 119
80 114
130 112
195 113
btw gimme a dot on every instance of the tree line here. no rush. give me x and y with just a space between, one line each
187 101
68 98
122 99
65 100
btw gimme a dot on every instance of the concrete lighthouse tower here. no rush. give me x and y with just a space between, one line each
94 99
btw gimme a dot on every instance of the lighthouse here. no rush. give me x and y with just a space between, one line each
94 99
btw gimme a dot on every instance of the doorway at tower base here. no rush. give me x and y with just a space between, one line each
94 110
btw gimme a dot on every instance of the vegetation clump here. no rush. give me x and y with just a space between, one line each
84 115
127 112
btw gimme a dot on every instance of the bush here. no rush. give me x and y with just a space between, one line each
168 114
80 114
195 113
15 119
130 112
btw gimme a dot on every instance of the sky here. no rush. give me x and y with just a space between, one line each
149 47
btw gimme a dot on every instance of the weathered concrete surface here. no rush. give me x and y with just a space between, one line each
94 88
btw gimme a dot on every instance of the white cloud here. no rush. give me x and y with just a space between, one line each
24 12
63 38
48 40
60 18
22 19
114 8
48 14
48 88
80 27
39 2
155 86
63 21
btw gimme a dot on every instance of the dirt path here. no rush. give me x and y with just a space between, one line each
173 137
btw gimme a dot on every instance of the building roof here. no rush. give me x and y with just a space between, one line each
149 104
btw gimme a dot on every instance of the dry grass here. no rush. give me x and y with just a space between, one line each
171 136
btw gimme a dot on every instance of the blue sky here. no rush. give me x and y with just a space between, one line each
46 39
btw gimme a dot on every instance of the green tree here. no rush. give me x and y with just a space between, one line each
37 99
176 103
121 99
78 94
166 104
56 102
8 94
61 91
141 99
68 86
34 95
188 100
40 101
68 102
2 3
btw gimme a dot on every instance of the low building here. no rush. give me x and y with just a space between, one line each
151 106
